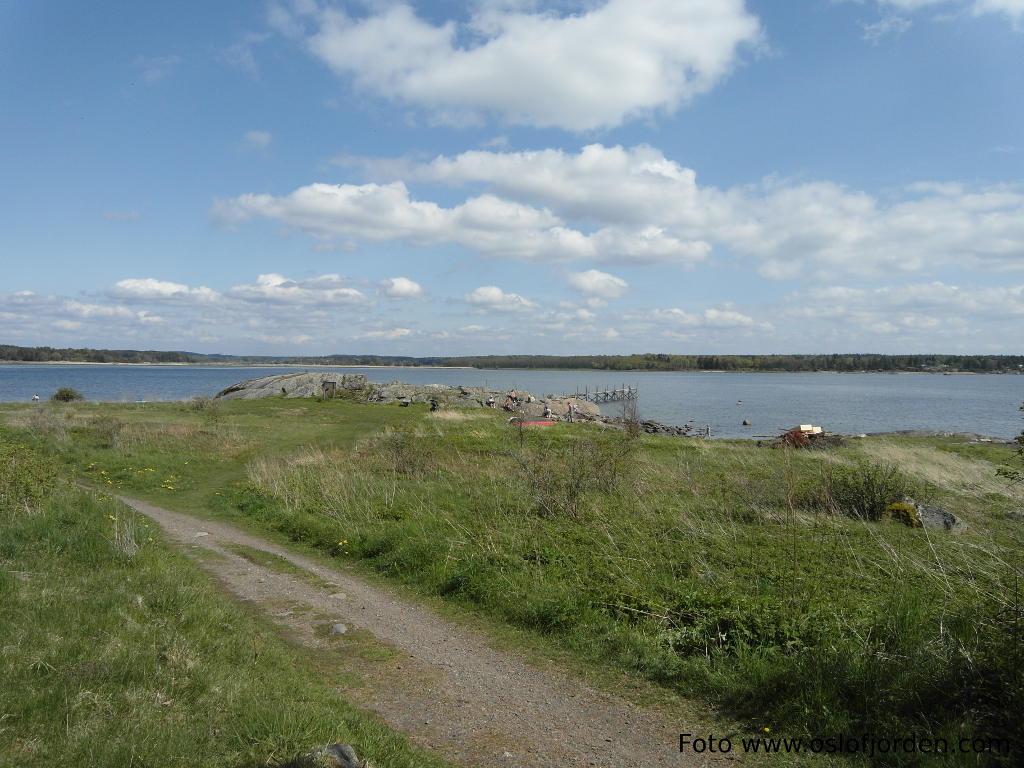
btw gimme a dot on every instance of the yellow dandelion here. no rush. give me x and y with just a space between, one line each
767 730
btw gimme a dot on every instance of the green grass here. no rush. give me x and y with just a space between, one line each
116 651
715 569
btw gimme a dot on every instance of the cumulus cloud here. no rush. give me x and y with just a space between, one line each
615 205
401 288
492 298
488 224
595 65
787 227
149 288
594 283
914 305
274 288
709 318
26 312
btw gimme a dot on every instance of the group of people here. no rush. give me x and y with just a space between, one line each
512 402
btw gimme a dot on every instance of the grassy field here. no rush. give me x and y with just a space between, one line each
743 575
115 651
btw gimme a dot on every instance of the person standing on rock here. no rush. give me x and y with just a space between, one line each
572 410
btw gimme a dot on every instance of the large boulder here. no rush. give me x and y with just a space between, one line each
935 517
336 755
292 385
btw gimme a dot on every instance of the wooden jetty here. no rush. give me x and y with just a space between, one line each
599 396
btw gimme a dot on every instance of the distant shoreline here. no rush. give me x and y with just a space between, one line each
609 371
242 365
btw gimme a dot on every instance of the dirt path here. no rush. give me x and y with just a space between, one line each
441 684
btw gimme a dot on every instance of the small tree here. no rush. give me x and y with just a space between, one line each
1016 474
66 395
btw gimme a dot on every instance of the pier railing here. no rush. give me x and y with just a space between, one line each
599 396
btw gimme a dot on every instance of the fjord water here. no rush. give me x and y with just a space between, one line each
846 403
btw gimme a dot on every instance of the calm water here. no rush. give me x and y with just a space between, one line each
848 403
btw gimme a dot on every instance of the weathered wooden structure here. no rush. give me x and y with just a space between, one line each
599 396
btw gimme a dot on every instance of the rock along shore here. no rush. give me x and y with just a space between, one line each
292 385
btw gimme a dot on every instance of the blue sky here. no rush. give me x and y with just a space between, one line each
576 176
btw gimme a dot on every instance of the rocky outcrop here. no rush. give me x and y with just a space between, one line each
647 426
292 385
935 517
331 756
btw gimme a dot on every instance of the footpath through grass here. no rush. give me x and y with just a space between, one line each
756 578
115 651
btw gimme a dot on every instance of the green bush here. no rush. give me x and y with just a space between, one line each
66 395
864 490
25 476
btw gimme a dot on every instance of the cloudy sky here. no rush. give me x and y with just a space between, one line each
526 176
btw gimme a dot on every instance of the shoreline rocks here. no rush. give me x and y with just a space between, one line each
292 385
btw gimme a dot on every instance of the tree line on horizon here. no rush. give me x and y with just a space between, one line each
840 363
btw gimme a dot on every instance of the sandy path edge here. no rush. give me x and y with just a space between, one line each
480 706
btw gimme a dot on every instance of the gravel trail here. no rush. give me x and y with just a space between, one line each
444 686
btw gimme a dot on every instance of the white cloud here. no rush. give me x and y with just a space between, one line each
279 339
1014 9
709 318
596 66
25 312
257 139
612 205
489 224
889 25
643 201
155 68
599 284
274 288
241 55
152 289
401 288
387 335
492 298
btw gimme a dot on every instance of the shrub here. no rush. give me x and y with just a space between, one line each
404 451
66 395
862 491
25 476
561 474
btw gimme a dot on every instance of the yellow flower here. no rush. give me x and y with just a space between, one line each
111 517
149 539
767 730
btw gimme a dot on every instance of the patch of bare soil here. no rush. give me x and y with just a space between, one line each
441 684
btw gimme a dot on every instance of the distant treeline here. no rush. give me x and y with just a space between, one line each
835 362
10 353
647 362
